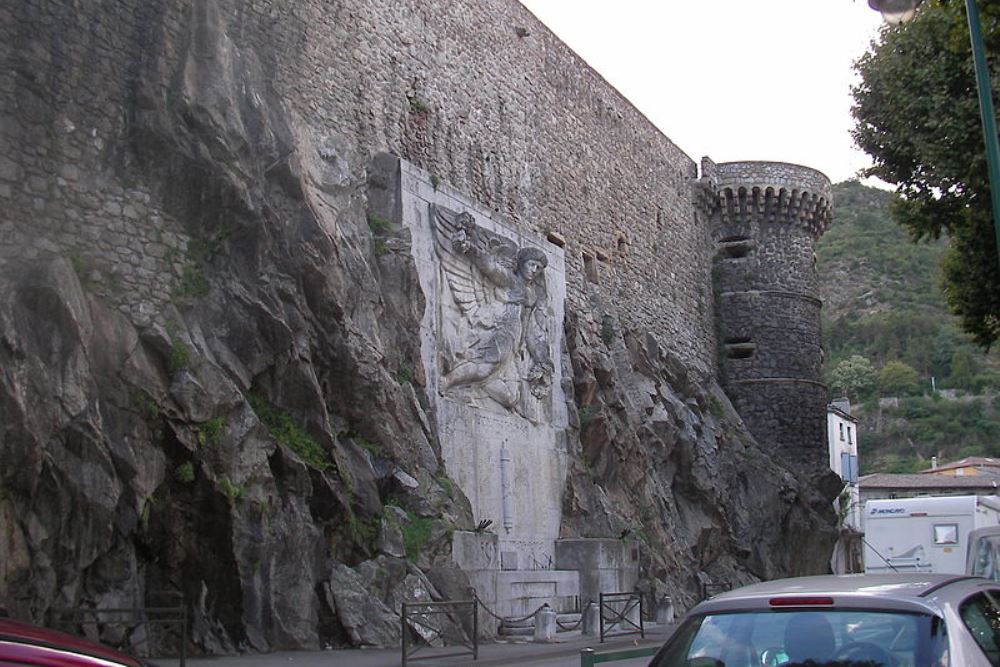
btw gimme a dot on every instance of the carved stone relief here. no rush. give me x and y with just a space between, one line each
496 317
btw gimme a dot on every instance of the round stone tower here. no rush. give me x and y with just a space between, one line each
765 219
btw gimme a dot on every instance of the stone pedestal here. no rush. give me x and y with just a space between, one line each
545 625
604 565
511 592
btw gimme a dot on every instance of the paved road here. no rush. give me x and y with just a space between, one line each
565 652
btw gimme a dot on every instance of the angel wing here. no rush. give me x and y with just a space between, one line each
470 288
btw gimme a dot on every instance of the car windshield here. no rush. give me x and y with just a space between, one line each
814 638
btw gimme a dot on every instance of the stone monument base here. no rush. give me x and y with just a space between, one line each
512 593
604 565
584 568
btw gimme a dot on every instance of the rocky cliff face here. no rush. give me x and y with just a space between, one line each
222 399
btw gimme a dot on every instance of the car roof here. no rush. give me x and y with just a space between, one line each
25 633
904 592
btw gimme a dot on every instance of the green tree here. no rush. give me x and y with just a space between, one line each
898 379
917 114
854 376
963 369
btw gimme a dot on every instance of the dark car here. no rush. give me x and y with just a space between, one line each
890 620
25 644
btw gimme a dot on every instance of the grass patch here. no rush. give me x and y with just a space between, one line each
288 434
193 283
184 473
362 531
366 444
587 414
379 225
416 534
179 355
150 413
211 432
236 492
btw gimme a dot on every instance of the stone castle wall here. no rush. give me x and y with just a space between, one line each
67 98
478 93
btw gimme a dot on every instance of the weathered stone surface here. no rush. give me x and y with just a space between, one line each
210 377
368 620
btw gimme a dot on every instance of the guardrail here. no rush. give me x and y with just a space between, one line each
417 613
615 609
589 657
137 616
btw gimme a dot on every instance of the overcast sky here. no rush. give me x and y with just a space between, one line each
731 79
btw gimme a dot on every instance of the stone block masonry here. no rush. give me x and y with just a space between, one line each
480 95
66 100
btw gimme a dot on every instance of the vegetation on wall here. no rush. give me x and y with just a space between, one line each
283 429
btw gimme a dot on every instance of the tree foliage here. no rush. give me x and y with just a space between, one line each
898 379
854 376
916 113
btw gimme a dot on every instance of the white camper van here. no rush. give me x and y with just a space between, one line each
924 534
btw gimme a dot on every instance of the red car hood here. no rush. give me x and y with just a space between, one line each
24 641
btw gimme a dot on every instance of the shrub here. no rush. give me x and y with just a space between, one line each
288 434
416 532
184 473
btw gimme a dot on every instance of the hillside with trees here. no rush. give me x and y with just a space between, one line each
919 385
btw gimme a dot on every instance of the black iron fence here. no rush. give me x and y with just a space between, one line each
78 620
439 621
621 613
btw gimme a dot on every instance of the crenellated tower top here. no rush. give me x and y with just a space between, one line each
766 192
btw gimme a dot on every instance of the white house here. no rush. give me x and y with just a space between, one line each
842 436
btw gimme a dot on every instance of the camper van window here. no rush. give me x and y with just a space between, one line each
946 533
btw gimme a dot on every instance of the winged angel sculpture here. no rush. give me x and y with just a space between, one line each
502 346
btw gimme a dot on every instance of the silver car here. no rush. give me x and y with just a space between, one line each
886 620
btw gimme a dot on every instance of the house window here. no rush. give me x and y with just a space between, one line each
849 441
946 533
841 431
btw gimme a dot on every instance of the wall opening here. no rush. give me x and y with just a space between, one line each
739 348
735 247
590 268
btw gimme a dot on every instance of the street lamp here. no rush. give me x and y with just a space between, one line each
897 11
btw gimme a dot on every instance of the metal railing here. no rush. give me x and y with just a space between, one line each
615 609
149 617
419 614
589 657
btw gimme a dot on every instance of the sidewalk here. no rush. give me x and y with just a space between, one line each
565 650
